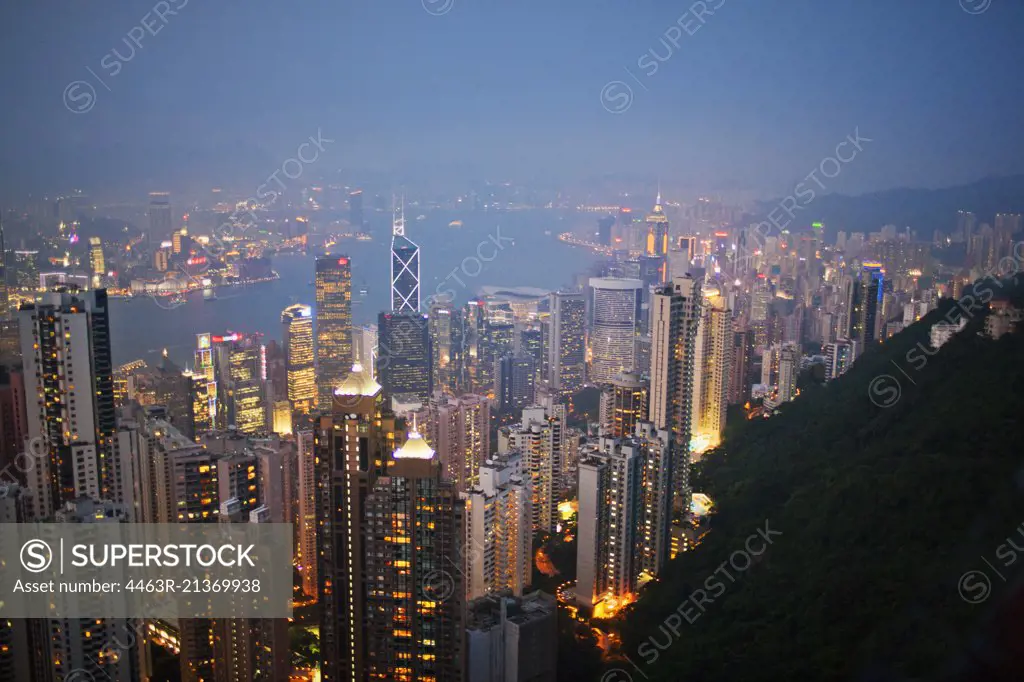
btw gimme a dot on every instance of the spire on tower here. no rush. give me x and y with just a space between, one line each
398 217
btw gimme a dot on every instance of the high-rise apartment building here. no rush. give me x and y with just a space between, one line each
300 365
500 531
65 343
610 512
712 367
789 370
839 357
459 431
510 639
540 437
515 388
866 299
333 325
616 321
623 404
566 348
675 314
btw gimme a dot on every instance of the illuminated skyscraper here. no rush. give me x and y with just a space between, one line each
333 325
404 354
675 313
657 230
566 347
459 430
446 346
391 539
299 360
616 319
99 265
405 267
866 300
499 528
623 404
712 367
246 377
65 345
540 436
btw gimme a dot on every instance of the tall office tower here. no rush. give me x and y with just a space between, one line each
414 577
355 209
540 436
459 430
739 372
657 230
207 370
306 540
97 261
404 354
246 378
511 639
866 298
446 346
333 325
500 531
160 223
610 509
675 315
497 339
81 648
839 356
173 391
351 443
623 404
65 343
531 342
613 334
202 398
789 370
515 382
712 367
300 365
405 267
655 522
567 352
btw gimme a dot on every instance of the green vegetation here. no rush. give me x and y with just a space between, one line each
881 510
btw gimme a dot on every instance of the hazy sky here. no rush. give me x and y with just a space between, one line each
754 98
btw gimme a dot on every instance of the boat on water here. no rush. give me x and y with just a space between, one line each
209 295
455 223
421 217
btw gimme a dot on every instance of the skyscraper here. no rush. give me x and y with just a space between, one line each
404 354
616 319
96 260
333 325
499 528
839 356
65 343
459 431
657 230
299 360
405 267
352 443
540 436
623 404
446 346
566 348
610 509
712 367
866 299
246 378
391 534
675 313
789 369
515 382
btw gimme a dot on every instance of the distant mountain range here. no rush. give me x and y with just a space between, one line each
923 210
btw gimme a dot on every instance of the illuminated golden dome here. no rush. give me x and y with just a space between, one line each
358 382
415 447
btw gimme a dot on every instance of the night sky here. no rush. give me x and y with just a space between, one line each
496 89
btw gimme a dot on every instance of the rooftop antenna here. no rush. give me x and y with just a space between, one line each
398 218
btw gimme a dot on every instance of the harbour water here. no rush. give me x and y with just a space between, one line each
522 246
